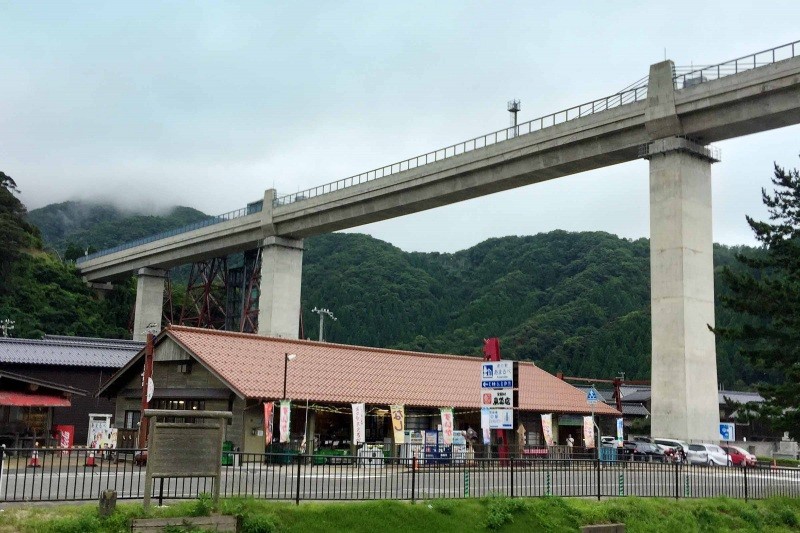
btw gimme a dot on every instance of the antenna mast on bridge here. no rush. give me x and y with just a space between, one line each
513 107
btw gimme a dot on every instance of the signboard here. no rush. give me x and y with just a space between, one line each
497 375
497 398
727 431
591 396
500 418
588 432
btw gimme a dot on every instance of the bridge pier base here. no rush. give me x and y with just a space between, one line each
149 301
281 273
684 365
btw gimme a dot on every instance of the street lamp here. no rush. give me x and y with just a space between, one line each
287 357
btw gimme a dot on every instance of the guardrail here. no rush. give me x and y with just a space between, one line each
697 75
80 474
621 98
255 207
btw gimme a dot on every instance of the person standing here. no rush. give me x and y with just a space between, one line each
570 444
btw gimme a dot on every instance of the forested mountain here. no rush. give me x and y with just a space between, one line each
574 302
72 227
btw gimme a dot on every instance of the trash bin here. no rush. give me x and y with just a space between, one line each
227 458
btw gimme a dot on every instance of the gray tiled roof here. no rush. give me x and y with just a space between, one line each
641 395
740 396
68 351
634 409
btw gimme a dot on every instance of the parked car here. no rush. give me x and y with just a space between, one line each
707 454
642 451
674 450
739 457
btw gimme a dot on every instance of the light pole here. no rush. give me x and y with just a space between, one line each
286 358
322 313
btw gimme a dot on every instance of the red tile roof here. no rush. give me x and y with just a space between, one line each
336 373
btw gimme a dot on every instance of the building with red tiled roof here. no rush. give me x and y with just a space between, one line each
206 369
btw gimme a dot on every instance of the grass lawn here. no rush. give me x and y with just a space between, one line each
486 514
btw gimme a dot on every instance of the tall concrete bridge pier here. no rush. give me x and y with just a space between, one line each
670 121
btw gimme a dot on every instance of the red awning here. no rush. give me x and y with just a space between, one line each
24 399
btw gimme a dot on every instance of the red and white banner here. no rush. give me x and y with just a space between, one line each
447 425
547 429
286 411
269 408
359 423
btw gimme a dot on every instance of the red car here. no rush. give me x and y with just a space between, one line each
739 457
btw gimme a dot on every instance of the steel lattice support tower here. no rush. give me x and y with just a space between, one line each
204 306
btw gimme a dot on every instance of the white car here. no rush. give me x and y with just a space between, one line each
707 454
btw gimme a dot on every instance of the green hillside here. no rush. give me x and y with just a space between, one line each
70 226
571 302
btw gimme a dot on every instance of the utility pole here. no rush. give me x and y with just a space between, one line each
322 313
6 325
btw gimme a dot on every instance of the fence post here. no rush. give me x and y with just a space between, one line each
597 469
414 478
677 480
297 493
511 463
745 483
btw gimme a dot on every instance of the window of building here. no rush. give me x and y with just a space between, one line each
132 419
183 405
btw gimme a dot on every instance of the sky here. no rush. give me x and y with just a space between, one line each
206 104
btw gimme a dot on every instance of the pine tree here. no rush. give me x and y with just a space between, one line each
767 293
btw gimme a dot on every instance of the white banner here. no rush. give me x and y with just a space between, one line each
588 432
286 411
547 429
359 423
619 432
447 425
487 434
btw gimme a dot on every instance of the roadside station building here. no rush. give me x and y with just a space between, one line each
216 370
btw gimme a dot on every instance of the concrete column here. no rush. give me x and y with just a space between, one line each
684 365
149 301
279 302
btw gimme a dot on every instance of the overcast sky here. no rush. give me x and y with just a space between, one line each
152 104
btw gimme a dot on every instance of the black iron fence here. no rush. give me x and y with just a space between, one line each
79 474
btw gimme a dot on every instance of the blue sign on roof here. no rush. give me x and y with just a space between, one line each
591 396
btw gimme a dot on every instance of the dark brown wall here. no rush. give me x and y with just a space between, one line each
86 378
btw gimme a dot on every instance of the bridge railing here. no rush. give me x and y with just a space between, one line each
626 96
690 76
254 207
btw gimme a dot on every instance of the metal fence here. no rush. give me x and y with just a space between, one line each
690 76
626 96
254 207
62 475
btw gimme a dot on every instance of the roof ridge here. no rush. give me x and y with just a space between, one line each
304 342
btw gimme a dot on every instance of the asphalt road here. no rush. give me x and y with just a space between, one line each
346 482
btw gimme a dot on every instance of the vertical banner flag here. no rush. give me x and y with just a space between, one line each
547 429
487 432
269 407
588 431
398 423
286 411
619 432
359 428
447 425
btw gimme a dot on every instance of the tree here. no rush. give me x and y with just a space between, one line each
767 294
15 233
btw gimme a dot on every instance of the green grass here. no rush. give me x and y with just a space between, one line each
487 514
780 462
